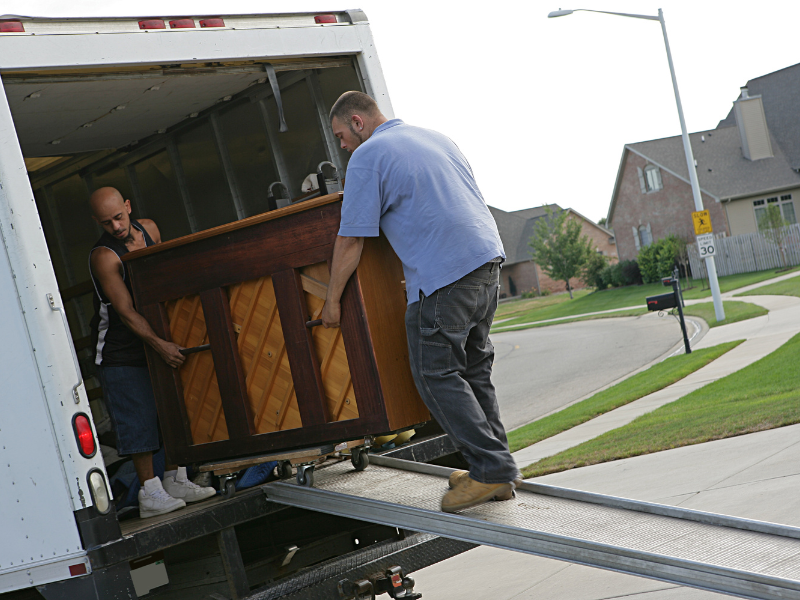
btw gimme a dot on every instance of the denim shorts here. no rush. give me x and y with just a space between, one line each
131 405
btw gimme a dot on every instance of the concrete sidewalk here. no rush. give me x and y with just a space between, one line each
762 336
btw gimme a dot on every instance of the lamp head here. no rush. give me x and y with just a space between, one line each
559 13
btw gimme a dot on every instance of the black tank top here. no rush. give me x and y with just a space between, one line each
115 344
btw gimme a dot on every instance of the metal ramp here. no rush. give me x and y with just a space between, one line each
740 557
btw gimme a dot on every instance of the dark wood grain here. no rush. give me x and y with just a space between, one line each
168 389
298 240
228 365
360 357
280 213
380 275
303 361
338 431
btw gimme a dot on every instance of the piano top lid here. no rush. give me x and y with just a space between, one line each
235 225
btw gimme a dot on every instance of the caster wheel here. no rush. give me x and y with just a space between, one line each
230 489
305 477
285 470
360 459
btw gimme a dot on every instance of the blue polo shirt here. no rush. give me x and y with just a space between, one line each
416 186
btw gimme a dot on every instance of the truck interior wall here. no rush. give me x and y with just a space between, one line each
179 179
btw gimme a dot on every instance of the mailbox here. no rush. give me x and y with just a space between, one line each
662 301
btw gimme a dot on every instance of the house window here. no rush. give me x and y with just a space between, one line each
652 178
645 237
784 202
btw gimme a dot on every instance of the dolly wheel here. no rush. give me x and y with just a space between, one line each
305 476
230 489
285 470
360 459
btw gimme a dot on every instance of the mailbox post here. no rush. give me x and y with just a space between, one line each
671 300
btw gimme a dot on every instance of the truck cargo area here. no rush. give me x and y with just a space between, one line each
192 146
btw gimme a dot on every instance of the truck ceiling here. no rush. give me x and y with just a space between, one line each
62 113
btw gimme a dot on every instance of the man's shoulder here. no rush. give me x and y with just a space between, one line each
103 257
151 228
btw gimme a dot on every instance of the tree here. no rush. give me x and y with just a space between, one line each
773 226
558 246
602 222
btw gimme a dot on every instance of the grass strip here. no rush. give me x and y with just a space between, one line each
787 287
559 305
640 385
734 311
763 395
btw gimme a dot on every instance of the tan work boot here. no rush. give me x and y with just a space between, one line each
457 476
471 493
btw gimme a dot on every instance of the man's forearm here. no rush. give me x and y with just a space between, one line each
346 255
139 325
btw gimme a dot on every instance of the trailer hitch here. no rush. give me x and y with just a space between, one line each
390 582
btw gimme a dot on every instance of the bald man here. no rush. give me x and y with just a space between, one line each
120 358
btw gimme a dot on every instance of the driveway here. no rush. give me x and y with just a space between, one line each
540 370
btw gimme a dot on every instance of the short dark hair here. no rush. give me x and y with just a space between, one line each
354 103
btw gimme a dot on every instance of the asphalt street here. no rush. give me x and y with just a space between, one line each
539 370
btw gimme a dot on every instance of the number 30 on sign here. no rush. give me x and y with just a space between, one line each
705 245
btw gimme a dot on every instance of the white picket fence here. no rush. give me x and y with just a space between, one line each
748 252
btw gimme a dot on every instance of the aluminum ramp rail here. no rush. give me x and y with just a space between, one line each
740 557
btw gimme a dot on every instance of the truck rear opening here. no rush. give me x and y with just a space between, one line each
192 145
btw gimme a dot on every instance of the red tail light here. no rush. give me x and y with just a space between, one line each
212 23
325 19
11 26
84 435
152 24
182 24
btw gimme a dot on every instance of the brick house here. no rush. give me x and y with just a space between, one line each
751 160
520 274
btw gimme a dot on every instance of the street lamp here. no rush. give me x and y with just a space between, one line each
719 311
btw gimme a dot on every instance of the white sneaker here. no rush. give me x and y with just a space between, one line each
179 486
153 500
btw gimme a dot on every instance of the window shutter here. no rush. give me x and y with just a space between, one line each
641 180
659 183
636 236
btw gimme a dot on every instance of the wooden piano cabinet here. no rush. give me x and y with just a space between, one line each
269 382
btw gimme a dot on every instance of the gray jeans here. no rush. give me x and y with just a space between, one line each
451 360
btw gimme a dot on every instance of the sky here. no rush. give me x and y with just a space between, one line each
542 108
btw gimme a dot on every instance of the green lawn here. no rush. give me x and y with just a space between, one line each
764 395
789 287
734 311
551 307
653 379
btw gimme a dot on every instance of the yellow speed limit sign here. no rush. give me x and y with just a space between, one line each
702 222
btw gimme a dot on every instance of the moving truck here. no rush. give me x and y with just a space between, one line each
199 121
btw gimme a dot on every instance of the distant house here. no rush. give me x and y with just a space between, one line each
751 160
520 274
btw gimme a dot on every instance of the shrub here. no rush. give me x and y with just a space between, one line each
659 259
592 272
630 272
620 274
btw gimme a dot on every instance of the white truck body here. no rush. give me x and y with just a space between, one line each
44 474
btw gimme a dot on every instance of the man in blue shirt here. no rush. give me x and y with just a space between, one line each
416 186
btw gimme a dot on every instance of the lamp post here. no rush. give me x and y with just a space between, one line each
719 311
